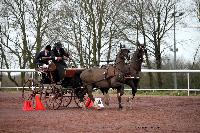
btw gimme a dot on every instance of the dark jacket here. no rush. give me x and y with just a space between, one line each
39 60
60 53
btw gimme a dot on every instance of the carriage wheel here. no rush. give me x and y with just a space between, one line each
53 97
30 88
77 101
67 97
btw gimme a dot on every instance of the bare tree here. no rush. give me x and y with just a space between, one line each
89 29
154 19
197 10
24 28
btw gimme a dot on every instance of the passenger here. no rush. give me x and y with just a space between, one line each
59 55
41 62
45 53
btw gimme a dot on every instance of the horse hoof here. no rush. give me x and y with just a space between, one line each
130 99
82 105
120 107
107 103
98 108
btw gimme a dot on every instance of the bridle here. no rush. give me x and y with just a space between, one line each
123 57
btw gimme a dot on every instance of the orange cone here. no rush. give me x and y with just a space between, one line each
27 106
89 103
39 105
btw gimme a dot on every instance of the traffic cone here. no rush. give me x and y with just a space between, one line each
89 103
39 105
27 106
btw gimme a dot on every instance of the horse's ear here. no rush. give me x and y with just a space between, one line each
138 44
122 46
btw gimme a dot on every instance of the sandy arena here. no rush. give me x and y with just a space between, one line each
164 114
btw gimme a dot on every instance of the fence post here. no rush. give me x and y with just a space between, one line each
188 77
32 75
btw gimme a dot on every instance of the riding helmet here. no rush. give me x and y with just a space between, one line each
48 47
58 45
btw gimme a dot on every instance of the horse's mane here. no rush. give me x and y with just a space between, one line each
135 56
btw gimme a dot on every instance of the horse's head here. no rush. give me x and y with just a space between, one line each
124 53
137 58
121 58
141 50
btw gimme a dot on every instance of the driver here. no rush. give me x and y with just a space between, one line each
59 55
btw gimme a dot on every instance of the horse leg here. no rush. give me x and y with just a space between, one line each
133 83
107 99
106 95
89 91
134 86
119 86
120 92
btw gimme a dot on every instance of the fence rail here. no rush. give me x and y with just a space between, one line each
143 71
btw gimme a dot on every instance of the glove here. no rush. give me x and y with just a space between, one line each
58 58
45 66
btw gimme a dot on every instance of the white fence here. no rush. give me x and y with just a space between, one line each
143 71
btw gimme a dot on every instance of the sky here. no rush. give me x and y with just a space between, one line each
187 35
188 39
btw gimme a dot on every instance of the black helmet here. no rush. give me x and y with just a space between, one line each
48 47
58 45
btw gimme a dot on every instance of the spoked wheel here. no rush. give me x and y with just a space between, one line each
30 89
53 97
67 97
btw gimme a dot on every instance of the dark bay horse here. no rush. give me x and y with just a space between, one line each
106 78
133 69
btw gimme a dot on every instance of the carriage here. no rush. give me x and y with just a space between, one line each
78 81
54 94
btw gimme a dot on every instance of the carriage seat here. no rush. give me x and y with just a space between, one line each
70 72
46 70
